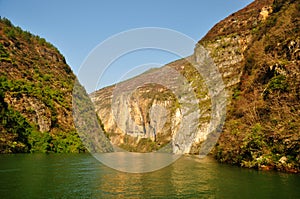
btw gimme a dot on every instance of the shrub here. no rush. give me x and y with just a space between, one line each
39 142
3 53
278 83
6 22
10 33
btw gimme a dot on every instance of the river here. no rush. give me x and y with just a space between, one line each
82 176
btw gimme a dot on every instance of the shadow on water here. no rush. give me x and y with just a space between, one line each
82 176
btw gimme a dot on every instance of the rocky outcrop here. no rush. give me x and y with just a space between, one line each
34 110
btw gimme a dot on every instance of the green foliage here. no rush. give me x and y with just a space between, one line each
28 77
61 142
16 126
255 31
17 134
236 93
278 83
262 126
256 129
39 142
10 33
46 94
26 36
254 142
6 22
3 52
24 137
67 143
41 41
47 77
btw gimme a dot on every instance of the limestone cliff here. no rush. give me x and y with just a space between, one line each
257 53
143 116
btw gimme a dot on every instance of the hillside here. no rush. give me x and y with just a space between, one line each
257 53
263 122
35 95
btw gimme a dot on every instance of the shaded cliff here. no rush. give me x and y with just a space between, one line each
35 95
257 53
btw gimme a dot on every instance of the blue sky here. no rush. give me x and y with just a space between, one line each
76 27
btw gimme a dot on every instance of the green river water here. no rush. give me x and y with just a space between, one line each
82 176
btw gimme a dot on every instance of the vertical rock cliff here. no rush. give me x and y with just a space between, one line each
148 111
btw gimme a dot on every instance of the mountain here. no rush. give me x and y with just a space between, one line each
263 121
256 51
35 95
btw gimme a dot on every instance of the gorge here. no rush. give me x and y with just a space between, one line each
256 52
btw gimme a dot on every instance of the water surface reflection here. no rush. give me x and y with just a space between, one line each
82 176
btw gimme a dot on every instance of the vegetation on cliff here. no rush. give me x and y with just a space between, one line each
36 95
263 122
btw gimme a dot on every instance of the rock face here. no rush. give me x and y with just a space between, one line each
144 114
148 111
256 51
39 114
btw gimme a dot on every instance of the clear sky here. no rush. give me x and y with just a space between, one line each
76 27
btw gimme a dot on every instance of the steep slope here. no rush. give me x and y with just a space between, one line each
35 96
263 123
257 53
